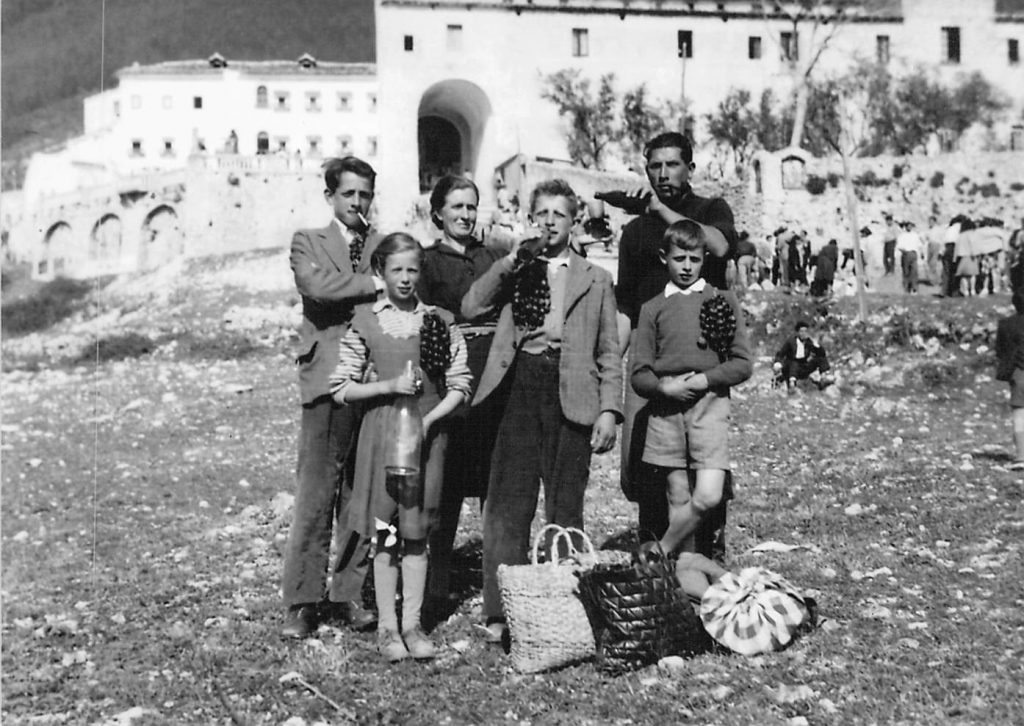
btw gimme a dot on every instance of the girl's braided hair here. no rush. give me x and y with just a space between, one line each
435 345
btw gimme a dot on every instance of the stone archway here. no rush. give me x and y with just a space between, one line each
53 255
452 120
105 238
161 239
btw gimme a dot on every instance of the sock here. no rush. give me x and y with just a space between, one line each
414 579
385 582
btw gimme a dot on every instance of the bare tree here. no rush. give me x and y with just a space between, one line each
840 116
592 123
820 21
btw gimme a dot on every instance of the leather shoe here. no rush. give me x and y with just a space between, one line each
301 621
348 613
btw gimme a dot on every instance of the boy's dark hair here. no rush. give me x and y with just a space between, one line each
555 188
801 324
684 234
670 140
445 186
334 168
392 244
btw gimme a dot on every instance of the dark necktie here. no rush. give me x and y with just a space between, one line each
355 248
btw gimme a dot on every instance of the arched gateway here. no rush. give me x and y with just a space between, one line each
452 118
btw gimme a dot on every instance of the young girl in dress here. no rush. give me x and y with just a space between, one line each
385 337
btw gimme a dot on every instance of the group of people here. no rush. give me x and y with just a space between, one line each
515 356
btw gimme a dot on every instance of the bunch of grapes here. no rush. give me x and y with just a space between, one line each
717 325
435 345
531 295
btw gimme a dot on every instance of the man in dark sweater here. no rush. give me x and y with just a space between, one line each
641 276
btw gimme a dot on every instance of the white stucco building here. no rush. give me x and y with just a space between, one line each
461 80
457 87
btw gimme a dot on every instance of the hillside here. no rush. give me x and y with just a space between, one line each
54 53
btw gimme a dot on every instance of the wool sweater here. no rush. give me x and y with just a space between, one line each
666 344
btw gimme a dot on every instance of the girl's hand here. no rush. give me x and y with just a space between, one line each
403 385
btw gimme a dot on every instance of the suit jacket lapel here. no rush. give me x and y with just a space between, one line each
335 246
579 281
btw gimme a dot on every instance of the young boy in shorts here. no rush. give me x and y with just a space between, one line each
690 348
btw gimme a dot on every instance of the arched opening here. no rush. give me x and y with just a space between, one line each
262 143
453 117
105 238
440 149
261 97
52 257
162 239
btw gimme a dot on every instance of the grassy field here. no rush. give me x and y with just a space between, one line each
145 503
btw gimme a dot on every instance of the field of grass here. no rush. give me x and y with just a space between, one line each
145 502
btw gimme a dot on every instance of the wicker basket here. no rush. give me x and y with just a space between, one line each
547 622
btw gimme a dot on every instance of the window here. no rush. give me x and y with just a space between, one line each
281 101
117 109
454 37
684 43
371 146
371 102
168 147
136 101
166 103
282 143
262 142
951 45
344 145
754 47
408 42
344 101
313 101
197 102
580 42
261 97
882 49
314 145
790 47
1013 51
136 147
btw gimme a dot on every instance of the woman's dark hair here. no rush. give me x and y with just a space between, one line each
334 168
393 244
445 186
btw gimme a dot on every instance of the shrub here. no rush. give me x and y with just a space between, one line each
833 179
870 179
937 180
1017 186
222 346
934 374
815 184
897 171
990 189
53 302
118 347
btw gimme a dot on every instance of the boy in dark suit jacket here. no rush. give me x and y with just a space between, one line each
1010 368
332 274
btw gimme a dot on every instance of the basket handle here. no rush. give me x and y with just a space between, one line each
560 534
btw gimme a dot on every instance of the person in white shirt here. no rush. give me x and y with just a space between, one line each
911 248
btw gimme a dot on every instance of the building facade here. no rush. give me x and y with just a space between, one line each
458 86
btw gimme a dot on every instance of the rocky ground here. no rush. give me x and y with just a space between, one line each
146 499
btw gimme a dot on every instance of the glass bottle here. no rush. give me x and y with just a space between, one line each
402 453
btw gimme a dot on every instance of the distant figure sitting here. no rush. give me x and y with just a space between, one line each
802 358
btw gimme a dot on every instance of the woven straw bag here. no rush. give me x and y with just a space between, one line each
547 623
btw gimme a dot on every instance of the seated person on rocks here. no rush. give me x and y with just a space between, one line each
800 357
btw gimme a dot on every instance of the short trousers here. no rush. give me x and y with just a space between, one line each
696 437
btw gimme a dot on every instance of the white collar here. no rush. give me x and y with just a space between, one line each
555 262
347 233
672 289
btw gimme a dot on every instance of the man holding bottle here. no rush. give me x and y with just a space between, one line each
641 276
